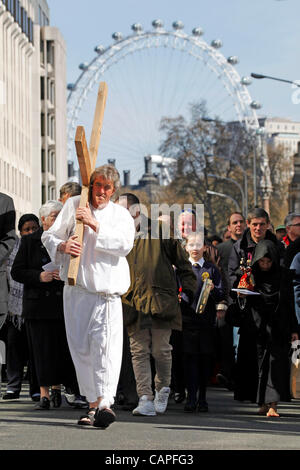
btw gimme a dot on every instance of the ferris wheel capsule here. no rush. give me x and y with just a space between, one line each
197 32
117 36
137 27
233 60
216 43
99 49
246 81
157 24
71 86
260 131
83 66
178 25
255 105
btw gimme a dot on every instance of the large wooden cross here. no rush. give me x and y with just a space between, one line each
87 162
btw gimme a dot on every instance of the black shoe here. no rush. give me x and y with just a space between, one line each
56 397
11 396
80 402
125 406
179 397
222 380
202 407
36 397
74 400
44 404
190 408
103 418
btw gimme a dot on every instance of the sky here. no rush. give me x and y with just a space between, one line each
264 34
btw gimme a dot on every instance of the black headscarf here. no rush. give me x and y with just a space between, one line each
267 282
27 218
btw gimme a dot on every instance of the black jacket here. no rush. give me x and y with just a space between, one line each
41 300
291 251
274 309
245 248
224 250
199 329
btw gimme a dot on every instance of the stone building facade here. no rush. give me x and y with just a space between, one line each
33 143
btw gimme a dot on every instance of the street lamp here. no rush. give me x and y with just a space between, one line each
245 210
259 76
267 186
231 160
224 195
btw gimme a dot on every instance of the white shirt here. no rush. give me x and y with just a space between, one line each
200 261
103 266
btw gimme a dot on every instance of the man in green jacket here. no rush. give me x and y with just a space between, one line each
151 306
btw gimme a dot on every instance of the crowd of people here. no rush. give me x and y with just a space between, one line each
151 317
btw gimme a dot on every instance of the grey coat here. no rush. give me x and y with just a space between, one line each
7 242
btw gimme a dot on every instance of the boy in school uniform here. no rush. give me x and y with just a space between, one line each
199 328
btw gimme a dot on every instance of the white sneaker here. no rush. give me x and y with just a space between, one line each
145 407
161 400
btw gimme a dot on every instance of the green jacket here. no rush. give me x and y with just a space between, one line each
152 298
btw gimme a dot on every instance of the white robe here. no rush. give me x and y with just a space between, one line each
92 308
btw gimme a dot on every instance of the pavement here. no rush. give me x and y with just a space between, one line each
229 425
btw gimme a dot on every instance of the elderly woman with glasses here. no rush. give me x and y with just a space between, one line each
43 311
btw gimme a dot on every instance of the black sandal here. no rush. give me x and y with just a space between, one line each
87 419
103 418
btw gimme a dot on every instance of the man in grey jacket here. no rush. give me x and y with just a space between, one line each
7 242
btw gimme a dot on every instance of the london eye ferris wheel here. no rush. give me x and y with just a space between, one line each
150 75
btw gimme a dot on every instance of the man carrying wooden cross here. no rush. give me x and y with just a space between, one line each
92 303
92 308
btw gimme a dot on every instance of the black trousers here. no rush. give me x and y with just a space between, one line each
177 377
49 351
225 349
273 372
197 368
17 357
127 386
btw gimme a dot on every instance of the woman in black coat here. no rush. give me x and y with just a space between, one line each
270 320
43 312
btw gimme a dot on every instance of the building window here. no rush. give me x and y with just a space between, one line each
42 88
30 30
21 19
52 192
51 162
42 124
19 14
50 90
9 4
43 163
45 20
50 52
43 194
17 10
42 53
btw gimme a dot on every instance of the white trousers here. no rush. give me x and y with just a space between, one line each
94 326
